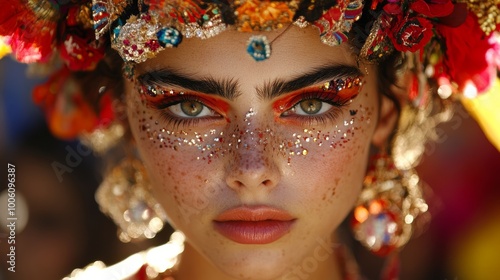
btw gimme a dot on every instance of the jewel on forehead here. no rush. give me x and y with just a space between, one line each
259 48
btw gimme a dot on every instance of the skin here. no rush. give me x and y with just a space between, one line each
253 165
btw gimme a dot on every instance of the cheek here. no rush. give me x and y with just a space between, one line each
334 163
180 164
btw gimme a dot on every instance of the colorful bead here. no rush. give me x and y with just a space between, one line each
378 231
169 37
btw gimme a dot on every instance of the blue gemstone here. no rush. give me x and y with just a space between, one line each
169 37
117 29
116 32
259 48
98 8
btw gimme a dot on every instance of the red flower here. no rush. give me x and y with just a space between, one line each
411 34
471 56
81 51
30 38
433 8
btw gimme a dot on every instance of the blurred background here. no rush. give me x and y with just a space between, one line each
64 229
59 225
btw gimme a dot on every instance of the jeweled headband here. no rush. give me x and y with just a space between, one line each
455 41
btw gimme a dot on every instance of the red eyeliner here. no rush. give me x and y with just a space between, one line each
283 104
157 97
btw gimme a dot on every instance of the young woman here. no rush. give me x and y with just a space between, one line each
247 129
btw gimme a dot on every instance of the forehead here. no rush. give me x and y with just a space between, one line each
293 51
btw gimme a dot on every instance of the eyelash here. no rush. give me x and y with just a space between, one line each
322 96
175 121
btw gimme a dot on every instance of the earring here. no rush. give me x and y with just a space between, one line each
390 201
125 196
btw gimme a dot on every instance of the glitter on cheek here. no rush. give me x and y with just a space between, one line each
307 141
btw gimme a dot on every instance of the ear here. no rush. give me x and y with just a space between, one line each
389 115
386 122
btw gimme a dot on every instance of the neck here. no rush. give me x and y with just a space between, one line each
324 265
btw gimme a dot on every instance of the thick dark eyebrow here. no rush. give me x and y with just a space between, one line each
274 88
227 88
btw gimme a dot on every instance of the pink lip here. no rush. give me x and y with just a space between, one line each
254 225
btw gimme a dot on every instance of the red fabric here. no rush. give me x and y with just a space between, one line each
433 8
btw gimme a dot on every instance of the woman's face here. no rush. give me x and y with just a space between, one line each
256 162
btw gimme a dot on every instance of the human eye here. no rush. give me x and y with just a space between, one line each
182 108
309 107
319 104
188 107
313 108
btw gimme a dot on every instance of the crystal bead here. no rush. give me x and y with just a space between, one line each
379 232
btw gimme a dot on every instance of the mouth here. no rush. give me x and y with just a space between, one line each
254 225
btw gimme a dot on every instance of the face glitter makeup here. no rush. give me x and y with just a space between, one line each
212 144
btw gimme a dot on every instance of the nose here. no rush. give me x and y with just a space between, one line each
252 170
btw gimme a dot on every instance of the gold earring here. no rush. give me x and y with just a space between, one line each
125 196
389 203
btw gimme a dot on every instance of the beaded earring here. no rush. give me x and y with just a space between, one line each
390 201
125 196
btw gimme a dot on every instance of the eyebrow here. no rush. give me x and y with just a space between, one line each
275 88
228 88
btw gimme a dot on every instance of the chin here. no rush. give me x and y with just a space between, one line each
264 265
254 271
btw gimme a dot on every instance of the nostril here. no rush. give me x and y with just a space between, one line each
267 183
238 184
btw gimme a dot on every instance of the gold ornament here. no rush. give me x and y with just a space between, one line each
124 195
487 12
389 203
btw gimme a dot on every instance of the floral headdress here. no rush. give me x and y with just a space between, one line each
456 43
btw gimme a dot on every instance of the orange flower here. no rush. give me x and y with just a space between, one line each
68 114
263 15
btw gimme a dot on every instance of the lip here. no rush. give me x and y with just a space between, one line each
254 225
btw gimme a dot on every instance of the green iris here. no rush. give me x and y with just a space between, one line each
191 108
311 106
